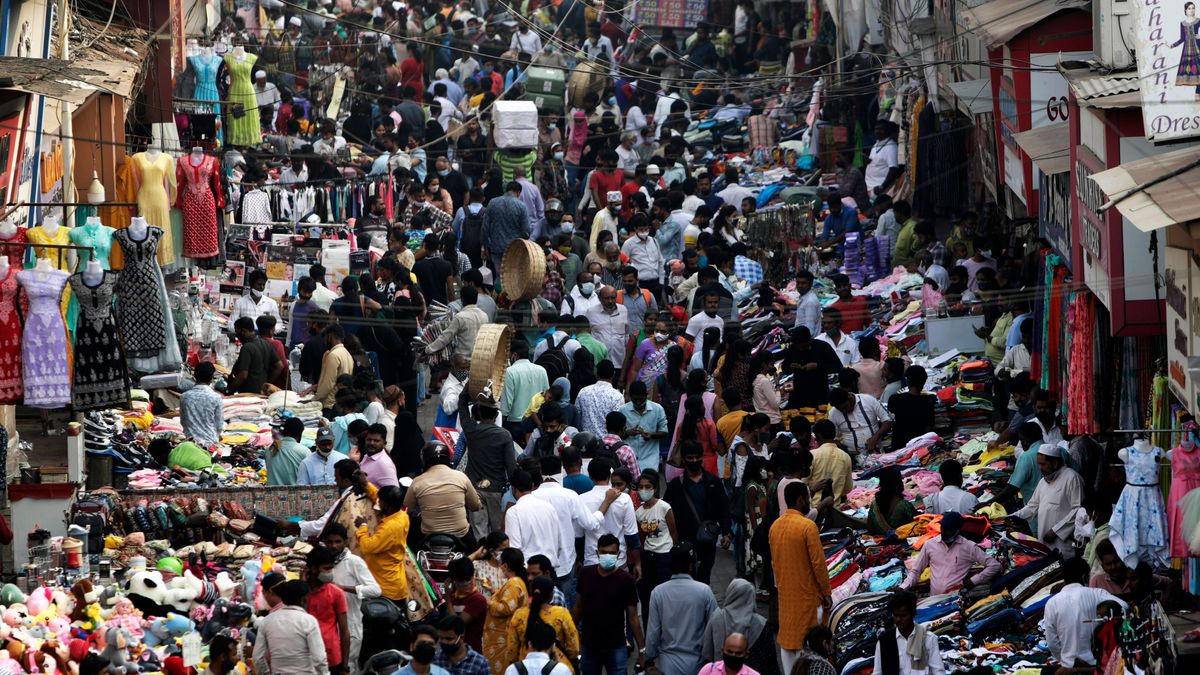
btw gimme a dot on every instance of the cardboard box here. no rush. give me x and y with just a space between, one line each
515 124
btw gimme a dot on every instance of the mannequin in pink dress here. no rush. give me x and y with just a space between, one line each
1185 477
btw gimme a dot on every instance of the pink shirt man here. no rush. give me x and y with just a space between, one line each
948 565
380 470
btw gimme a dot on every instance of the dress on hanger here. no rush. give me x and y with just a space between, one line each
1185 477
156 193
1139 520
16 254
206 68
98 238
10 338
45 364
200 197
244 130
101 377
141 316
59 257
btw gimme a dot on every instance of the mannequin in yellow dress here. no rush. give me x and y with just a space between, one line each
154 175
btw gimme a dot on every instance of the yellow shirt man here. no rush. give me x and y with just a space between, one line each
384 552
833 464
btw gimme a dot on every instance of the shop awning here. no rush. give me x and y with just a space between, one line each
70 81
999 21
1166 202
1048 147
973 97
1096 89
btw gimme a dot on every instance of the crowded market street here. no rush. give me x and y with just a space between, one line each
560 337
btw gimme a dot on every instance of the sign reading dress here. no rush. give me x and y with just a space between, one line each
156 192
101 378
44 359
141 315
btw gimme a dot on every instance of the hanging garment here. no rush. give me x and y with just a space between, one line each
10 339
156 193
1185 477
244 129
206 68
98 238
45 366
1139 520
200 196
141 315
16 254
100 378
60 259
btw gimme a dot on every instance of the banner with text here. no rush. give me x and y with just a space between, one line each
1168 58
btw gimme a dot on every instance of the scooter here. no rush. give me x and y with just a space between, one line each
434 557
385 663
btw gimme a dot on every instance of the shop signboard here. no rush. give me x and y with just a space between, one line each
1180 318
669 13
1168 68
1054 212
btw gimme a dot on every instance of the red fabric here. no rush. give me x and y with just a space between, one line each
325 604
200 196
17 491
603 182
282 381
10 338
412 74
475 604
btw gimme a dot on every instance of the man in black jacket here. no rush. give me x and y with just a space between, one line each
492 461
698 499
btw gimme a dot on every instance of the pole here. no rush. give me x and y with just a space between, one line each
837 80
66 129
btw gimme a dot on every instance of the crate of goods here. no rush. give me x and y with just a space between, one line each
516 124
545 87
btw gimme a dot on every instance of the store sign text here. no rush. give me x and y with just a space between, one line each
1091 201
1167 67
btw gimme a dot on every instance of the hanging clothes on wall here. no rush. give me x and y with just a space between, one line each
244 129
101 378
10 339
1185 477
1081 384
142 318
200 197
156 192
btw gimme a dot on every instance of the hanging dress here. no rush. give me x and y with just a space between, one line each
200 197
141 318
244 130
10 338
1185 477
98 239
59 257
101 379
1139 520
16 254
156 193
206 68
45 365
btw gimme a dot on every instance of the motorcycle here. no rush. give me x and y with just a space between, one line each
385 625
439 549
385 663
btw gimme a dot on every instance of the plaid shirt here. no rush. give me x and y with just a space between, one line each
747 270
441 219
473 664
624 453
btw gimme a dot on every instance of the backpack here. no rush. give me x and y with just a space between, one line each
546 669
554 359
609 451
646 296
472 235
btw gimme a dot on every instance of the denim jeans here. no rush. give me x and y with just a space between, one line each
614 661
567 584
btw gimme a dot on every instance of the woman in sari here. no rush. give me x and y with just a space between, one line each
890 509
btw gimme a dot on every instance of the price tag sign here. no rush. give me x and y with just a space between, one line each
191 649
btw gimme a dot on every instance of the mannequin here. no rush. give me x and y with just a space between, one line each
239 53
245 130
93 274
201 198
44 265
95 236
154 174
197 156
8 230
137 228
207 51
50 226
153 151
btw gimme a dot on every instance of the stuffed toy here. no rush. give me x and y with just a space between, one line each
164 629
125 615
85 594
39 600
116 652
10 594
148 592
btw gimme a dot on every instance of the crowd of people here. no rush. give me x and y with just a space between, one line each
640 436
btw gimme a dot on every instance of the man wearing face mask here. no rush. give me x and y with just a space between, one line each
606 600
452 389
424 650
950 559
317 468
733 658
255 303
582 297
607 218
455 654
327 604
257 363
647 264
350 574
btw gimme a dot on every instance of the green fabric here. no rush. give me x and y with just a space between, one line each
284 464
904 249
903 512
508 162
190 456
589 342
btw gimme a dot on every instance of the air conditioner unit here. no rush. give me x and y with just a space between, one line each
1112 30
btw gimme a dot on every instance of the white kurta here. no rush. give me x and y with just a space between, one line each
1070 620
1054 502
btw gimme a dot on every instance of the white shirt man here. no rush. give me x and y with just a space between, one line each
527 41
532 526
574 517
1070 620
1055 501
733 196
611 329
627 158
697 324
808 312
351 572
933 654
594 48
579 303
951 498
645 256
662 110
1016 360
844 346
569 345
248 306
862 422
266 94
620 522
884 158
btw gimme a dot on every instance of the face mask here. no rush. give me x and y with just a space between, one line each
324 453
1047 420
608 561
444 172
702 260
568 227
462 375
645 495
551 127
692 466
733 662
565 250
325 577
630 290
712 313
948 540
255 294
615 208
764 437
612 100
449 650
643 235
661 337
424 652
558 156
585 289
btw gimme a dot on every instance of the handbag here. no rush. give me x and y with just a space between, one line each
707 531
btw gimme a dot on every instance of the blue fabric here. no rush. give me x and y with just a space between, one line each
1019 574
768 193
994 622
926 614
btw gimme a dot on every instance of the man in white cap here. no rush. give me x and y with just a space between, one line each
267 95
607 218
1055 500
454 92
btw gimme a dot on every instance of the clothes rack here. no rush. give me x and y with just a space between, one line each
29 244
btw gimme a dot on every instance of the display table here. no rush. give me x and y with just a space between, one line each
306 502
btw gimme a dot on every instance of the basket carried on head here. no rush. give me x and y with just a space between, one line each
522 270
489 358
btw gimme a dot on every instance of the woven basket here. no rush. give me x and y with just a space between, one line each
523 270
489 359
